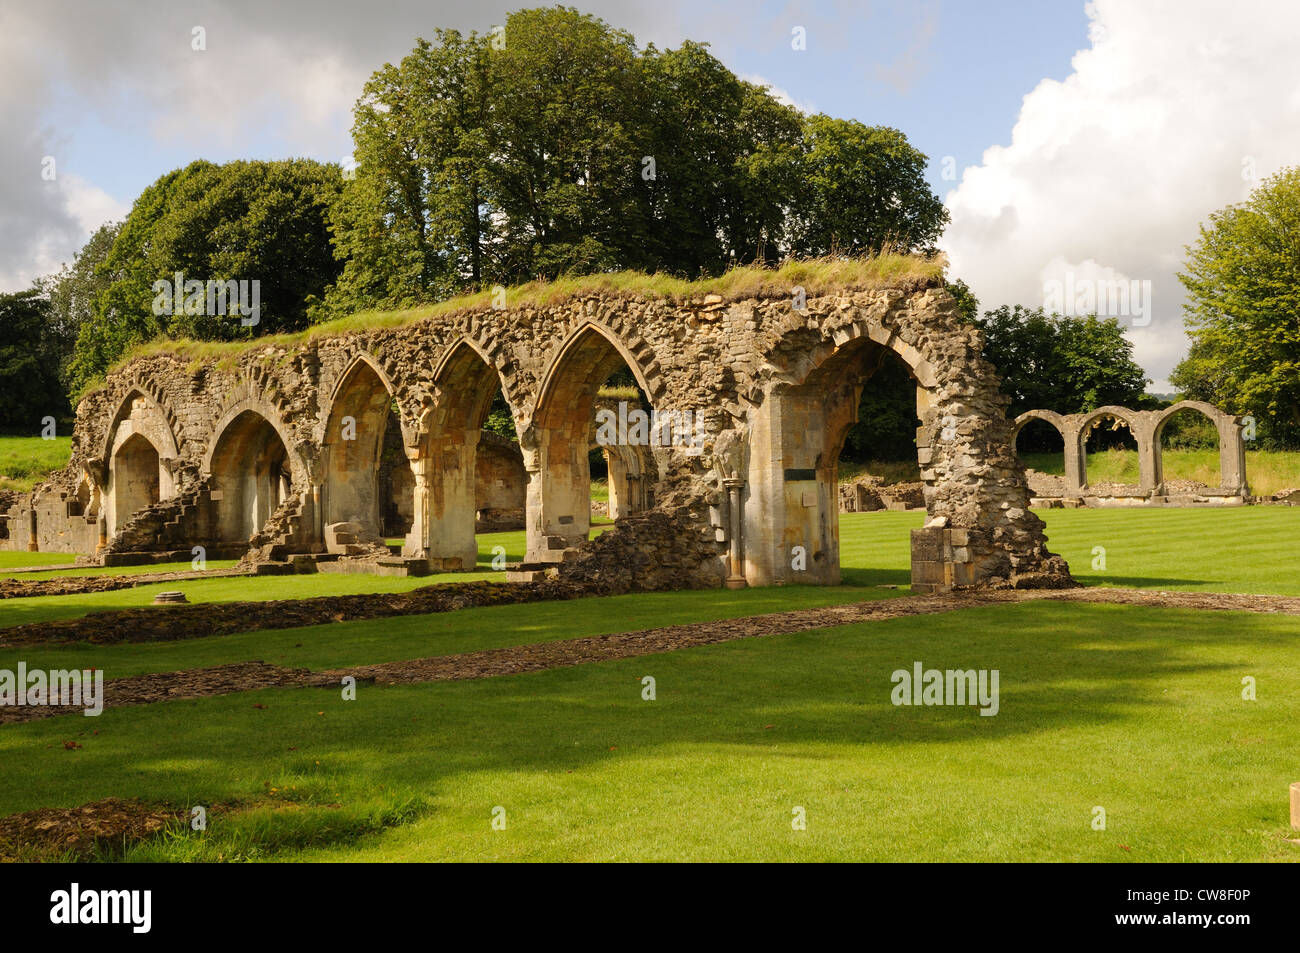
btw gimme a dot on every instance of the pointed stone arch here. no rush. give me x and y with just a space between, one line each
559 434
139 457
347 491
444 458
251 467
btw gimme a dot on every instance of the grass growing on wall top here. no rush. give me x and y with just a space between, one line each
815 276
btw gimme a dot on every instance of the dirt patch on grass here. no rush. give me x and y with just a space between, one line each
169 623
1227 601
190 683
599 648
78 585
52 833
249 676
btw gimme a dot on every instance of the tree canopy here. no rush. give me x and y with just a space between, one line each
1242 278
30 355
559 146
242 221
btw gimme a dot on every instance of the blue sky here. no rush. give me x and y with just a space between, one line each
951 75
1089 140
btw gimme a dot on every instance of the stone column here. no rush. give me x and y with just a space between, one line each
1232 457
33 543
735 542
1076 477
1150 470
417 541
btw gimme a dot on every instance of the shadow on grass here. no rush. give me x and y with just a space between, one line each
1061 668
1138 582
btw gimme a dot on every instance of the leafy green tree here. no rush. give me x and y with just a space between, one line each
411 224
864 190
1242 278
1065 364
886 425
30 354
74 289
242 221
559 147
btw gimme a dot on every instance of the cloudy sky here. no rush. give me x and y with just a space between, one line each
1072 141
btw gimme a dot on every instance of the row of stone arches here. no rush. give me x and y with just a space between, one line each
252 464
291 439
1147 428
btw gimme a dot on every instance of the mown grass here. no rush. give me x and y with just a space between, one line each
1267 471
343 644
1135 710
816 276
1236 549
8 565
27 461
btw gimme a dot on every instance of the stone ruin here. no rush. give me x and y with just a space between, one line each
1147 426
276 454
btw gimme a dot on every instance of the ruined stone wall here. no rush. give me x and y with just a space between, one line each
768 389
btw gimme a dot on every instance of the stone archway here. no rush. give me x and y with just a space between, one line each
445 460
134 481
250 475
1232 449
350 464
1139 425
557 443
979 530
1073 453
139 449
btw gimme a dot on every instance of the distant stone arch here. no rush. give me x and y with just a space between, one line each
1074 457
1147 426
1232 448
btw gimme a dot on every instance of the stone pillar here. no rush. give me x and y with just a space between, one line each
1150 469
101 526
1076 478
417 541
318 517
33 542
735 541
1232 457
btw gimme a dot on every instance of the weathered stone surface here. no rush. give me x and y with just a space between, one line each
254 452
1146 427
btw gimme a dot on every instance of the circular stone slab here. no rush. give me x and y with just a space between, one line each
166 598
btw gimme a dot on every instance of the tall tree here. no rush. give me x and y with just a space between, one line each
557 146
864 190
30 354
1242 313
242 221
1066 364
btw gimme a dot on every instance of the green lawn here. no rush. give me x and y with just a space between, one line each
1267 471
1239 549
26 461
1134 709
7 565
18 559
1131 709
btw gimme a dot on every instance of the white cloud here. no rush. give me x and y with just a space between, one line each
1110 172
779 94
275 80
